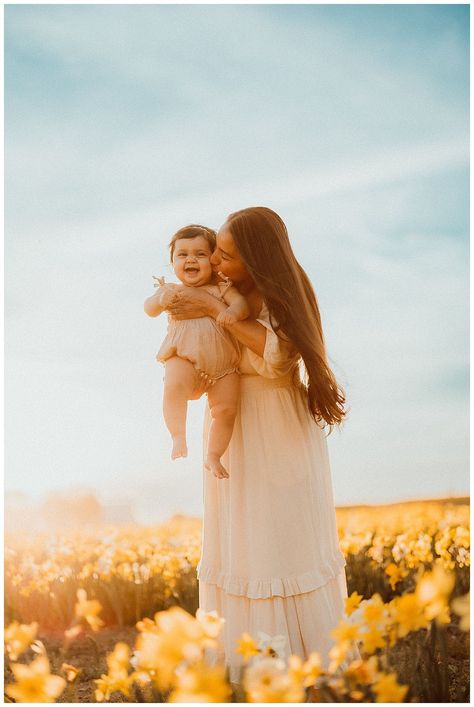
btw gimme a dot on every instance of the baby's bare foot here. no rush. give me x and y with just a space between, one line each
213 463
179 448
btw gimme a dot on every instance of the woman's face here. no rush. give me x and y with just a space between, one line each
226 258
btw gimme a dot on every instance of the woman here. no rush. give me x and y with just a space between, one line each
270 557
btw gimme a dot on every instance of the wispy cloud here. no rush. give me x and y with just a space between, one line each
117 107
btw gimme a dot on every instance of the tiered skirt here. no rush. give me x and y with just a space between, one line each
305 620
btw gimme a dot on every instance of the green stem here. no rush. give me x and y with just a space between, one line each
444 663
96 647
434 664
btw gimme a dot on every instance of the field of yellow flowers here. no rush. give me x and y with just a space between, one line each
112 615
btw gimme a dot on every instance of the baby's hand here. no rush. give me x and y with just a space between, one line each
224 286
159 281
226 317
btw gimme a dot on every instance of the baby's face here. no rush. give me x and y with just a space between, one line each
191 262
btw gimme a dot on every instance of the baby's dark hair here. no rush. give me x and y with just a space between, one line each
192 231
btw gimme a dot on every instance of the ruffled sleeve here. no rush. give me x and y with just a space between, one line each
279 356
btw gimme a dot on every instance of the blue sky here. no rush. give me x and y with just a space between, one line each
125 122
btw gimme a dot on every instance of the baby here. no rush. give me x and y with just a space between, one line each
194 347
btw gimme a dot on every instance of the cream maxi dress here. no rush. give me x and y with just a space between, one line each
270 559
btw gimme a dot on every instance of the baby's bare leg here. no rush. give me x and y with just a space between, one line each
223 397
180 379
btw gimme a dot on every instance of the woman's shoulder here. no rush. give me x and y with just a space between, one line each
265 317
272 324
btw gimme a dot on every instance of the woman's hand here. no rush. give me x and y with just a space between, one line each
167 294
192 303
158 302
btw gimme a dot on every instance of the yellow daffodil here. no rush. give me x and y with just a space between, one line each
305 673
145 624
266 680
433 591
210 621
119 658
460 606
18 637
72 632
387 689
345 631
107 684
201 683
246 646
141 677
352 602
312 668
176 618
147 654
70 671
373 609
338 654
117 678
408 614
178 622
34 682
372 639
175 636
395 573
363 671
88 610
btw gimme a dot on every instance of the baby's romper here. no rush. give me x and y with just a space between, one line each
270 558
209 346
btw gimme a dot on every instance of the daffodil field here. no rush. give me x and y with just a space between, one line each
111 615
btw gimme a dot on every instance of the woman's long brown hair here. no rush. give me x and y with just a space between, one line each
262 240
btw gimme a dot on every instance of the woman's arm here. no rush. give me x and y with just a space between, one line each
237 310
192 302
250 333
